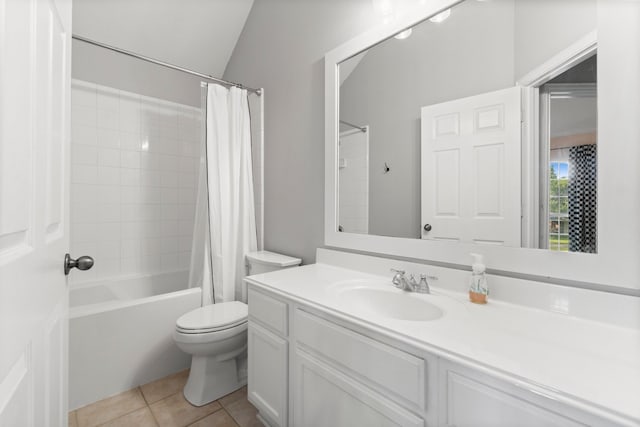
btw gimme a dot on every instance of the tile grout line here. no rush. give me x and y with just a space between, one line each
155 420
230 415
122 415
205 416
144 396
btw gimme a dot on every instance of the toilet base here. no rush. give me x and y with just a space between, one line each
210 379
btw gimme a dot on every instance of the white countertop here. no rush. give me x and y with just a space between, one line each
592 365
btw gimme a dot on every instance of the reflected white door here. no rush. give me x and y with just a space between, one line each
35 43
353 207
471 169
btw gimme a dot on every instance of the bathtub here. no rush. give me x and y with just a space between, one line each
120 333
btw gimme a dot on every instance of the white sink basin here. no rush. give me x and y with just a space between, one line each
390 303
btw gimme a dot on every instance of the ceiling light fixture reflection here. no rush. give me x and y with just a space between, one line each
383 8
441 16
404 34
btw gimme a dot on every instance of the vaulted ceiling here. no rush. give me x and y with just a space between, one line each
196 34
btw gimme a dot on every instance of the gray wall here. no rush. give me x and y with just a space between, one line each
468 54
543 26
104 67
282 49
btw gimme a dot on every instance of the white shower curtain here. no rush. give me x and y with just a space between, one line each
225 222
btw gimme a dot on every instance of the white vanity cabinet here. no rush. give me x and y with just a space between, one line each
311 368
312 371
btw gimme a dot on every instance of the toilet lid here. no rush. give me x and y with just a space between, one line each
213 317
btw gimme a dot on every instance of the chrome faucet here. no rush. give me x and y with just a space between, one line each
400 281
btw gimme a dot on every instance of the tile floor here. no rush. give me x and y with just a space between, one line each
161 404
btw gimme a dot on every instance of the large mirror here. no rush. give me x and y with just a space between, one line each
431 128
489 125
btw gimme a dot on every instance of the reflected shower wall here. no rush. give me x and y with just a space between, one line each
134 165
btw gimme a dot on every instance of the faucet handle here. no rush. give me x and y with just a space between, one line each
423 286
398 278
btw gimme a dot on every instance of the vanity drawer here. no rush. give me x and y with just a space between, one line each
397 374
268 311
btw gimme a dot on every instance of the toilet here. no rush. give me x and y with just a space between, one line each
216 337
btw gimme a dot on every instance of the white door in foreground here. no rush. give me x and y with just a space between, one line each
35 67
471 169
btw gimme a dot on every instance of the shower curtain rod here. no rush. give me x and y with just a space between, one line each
165 64
361 128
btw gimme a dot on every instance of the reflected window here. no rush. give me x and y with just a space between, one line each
559 206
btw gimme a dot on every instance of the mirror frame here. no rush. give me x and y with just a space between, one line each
616 266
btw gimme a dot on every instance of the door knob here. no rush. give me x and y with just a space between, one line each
427 227
82 263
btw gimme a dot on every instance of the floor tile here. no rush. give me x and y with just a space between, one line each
73 420
140 418
164 387
218 419
244 413
175 411
240 394
110 408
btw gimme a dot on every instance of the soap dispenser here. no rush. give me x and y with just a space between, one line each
478 288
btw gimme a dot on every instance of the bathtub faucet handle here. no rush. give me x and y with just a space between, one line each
83 263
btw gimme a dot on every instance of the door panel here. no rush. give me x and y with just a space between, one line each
51 124
34 148
488 165
15 129
15 396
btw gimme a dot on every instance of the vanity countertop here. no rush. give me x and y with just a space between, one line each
592 365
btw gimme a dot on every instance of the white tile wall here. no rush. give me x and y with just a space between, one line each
353 205
134 174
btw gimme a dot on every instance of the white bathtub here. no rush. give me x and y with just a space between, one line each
120 333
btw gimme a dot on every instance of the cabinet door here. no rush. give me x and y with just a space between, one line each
268 361
325 397
391 372
471 401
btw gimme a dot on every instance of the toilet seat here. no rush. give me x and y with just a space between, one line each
212 318
208 338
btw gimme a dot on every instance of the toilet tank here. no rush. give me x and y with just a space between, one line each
265 261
